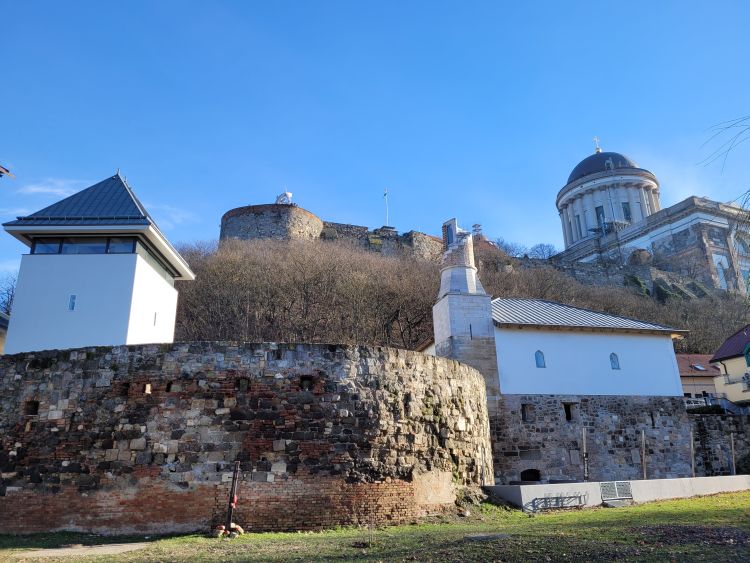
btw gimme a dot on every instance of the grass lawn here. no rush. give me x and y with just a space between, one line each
715 528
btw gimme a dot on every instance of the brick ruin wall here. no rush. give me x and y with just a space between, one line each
143 438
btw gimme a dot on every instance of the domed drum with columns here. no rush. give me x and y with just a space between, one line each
605 191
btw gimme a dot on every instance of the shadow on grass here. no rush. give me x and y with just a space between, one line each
68 539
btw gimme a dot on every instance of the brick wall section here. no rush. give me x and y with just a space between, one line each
532 432
326 435
713 451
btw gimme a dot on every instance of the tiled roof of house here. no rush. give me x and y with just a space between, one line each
109 202
537 312
696 365
733 346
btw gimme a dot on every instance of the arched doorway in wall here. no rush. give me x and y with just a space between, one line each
531 475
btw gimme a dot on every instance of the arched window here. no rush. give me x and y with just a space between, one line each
614 361
539 357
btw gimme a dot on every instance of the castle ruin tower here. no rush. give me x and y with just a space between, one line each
462 316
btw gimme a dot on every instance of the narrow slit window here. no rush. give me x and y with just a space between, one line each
72 303
614 361
525 412
539 358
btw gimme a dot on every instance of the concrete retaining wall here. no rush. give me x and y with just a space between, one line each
567 495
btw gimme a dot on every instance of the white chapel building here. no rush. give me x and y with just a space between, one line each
531 346
99 272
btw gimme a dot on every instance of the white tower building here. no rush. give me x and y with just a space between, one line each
462 316
99 273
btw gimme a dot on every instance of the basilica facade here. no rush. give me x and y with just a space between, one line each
610 210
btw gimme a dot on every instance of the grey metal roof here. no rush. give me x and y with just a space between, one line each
110 202
537 312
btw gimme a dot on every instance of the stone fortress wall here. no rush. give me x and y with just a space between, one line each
291 222
136 438
544 433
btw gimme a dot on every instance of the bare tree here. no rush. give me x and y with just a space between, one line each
512 249
542 251
7 292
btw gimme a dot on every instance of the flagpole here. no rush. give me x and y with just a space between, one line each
385 195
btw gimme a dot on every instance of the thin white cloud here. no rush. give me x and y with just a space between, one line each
60 187
9 267
15 211
169 216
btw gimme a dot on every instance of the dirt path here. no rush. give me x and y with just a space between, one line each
81 550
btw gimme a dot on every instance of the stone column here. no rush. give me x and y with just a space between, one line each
569 222
588 211
654 200
579 211
642 194
565 231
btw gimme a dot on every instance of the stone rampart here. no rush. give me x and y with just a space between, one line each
544 434
272 221
290 222
143 438
712 434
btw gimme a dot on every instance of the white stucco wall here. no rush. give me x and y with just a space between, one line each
41 320
578 363
152 295
116 297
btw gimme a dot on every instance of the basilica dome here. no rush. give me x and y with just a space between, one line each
600 162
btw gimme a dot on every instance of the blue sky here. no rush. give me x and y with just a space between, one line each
477 110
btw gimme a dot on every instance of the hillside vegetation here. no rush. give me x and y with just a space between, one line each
331 292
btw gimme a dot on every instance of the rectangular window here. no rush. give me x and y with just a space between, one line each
46 246
569 411
121 246
626 212
578 226
600 218
84 246
72 303
526 412
687 395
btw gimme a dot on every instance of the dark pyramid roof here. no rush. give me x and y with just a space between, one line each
110 202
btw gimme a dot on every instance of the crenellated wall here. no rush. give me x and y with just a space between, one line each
143 438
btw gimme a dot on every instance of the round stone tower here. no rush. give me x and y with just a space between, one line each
271 221
605 192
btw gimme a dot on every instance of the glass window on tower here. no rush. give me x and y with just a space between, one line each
578 226
626 212
600 219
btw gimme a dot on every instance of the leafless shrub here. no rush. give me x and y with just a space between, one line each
7 292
